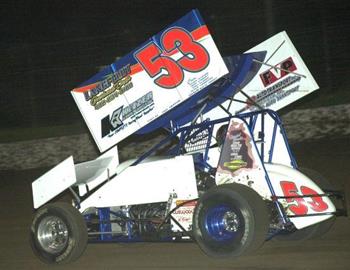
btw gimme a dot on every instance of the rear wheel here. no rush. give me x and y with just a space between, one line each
230 220
58 233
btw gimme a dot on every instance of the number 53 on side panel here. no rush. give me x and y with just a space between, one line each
300 206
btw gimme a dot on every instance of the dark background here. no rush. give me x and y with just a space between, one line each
49 47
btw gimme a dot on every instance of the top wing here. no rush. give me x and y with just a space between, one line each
165 71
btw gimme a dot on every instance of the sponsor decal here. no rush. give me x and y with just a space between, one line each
199 83
110 88
112 123
198 137
234 165
274 74
277 92
189 203
237 151
184 214
186 211
124 116
279 87
198 140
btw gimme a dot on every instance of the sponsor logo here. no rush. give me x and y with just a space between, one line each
274 74
189 203
185 213
273 94
199 136
110 88
237 153
112 123
124 116
197 140
234 165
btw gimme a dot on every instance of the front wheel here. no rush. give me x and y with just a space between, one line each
58 233
230 220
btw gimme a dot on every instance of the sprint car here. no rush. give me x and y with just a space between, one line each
224 177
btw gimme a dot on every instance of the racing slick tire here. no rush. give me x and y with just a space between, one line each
230 220
58 233
316 230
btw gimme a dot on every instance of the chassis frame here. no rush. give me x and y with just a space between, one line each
200 152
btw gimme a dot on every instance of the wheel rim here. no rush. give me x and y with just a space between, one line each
223 223
52 234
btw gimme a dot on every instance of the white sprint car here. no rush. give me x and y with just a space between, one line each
225 176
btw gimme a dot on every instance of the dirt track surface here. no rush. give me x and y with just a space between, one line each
332 251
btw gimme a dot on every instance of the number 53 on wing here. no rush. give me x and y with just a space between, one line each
170 67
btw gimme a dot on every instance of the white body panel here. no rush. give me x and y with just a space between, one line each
148 182
281 173
92 173
53 182
86 175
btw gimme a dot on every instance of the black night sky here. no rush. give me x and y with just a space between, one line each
49 47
